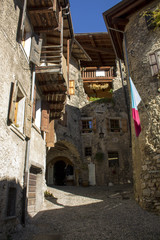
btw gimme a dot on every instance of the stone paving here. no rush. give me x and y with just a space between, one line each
92 213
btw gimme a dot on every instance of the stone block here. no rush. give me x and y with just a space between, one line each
146 192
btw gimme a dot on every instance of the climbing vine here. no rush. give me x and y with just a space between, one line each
153 17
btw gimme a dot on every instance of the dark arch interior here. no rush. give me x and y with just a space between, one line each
61 170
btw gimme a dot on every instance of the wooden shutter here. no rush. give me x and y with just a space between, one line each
94 125
14 90
153 64
45 117
158 59
50 135
36 46
23 20
34 104
108 124
27 121
124 125
71 87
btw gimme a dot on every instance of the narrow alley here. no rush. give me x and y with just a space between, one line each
99 213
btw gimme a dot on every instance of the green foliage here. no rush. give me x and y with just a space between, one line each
48 194
155 17
101 100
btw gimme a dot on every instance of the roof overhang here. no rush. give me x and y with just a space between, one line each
78 51
99 47
118 17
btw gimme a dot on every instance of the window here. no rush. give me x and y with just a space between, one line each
88 151
20 109
38 111
86 126
154 60
26 37
71 87
31 42
113 159
114 125
11 204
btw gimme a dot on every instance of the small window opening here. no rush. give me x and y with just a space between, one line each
86 126
114 125
113 159
11 205
88 151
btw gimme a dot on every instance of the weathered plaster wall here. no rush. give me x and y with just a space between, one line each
146 148
14 66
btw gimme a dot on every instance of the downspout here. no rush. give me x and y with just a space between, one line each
26 165
126 100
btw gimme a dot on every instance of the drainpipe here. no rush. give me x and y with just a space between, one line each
126 99
26 165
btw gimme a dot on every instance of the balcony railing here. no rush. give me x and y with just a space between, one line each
94 74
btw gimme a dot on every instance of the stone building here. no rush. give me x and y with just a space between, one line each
92 142
131 23
35 39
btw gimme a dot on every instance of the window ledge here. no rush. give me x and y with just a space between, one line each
17 132
36 128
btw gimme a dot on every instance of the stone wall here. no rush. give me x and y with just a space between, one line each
112 141
78 108
146 148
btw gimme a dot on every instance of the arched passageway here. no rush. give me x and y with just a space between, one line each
63 172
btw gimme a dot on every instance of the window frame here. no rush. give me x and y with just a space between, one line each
115 129
88 151
115 157
87 125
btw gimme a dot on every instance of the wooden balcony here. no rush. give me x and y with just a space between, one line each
94 74
98 81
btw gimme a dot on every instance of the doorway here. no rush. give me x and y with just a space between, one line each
59 173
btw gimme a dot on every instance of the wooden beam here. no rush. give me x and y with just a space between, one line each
45 29
102 50
54 5
40 10
68 59
120 21
109 79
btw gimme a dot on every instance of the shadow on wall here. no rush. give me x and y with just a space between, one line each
13 206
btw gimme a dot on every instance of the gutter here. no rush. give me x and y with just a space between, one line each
26 164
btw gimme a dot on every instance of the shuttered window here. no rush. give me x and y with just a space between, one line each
154 60
71 87
20 109
45 117
50 135
87 126
31 42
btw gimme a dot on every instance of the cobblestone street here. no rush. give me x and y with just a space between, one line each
92 213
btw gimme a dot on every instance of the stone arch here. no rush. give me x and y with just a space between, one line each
66 152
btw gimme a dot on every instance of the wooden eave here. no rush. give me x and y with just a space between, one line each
118 17
78 51
99 47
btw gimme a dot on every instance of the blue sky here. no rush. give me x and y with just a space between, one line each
87 14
